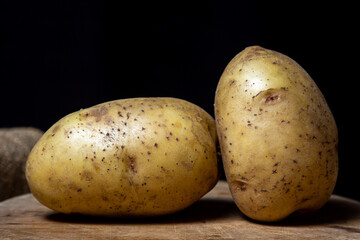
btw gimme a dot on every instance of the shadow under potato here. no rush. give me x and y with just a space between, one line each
201 211
336 211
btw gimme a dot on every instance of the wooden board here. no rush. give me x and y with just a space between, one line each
213 217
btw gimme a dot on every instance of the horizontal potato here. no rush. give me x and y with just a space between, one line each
126 158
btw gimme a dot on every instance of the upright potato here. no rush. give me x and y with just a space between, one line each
131 157
277 135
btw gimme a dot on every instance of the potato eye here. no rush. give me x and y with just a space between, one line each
273 98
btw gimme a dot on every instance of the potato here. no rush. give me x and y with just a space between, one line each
277 136
15 146
126 158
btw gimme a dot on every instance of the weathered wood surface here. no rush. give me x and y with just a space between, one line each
213 217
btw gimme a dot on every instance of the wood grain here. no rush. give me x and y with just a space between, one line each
215 216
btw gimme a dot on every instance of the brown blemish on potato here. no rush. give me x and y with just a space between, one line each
239 185
86 175
187 165
109 121
56 128
96 166
72 186
98 113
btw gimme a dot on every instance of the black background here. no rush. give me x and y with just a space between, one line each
59 56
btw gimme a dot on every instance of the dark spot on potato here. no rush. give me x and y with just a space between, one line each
305 200
132 163
273 98
79 190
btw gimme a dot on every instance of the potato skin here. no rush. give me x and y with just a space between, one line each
126 158
277 136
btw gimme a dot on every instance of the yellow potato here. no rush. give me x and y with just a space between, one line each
277 135
126 158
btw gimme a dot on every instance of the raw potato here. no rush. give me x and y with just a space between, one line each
15 146
277 135
126 158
